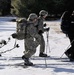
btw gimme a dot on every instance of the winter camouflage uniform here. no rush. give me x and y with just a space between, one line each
41 30
41 27
70 33
32 39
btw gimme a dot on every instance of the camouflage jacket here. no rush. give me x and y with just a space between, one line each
32 32
40 24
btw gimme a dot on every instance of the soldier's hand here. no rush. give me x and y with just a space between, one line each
45 25
40 32
14 35
47 29
4 42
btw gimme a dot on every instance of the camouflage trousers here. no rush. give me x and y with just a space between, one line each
30 47
42 44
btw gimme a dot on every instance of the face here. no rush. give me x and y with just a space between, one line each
44 16
73 13
35 22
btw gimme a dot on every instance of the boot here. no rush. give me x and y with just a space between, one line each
71 59
67 54
27 62
70 56
42 55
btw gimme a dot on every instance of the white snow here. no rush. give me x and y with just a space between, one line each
11 62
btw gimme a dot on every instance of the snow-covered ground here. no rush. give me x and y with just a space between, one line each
11 62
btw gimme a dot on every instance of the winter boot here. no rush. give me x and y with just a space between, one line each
42 55
67 54
71 59
27 62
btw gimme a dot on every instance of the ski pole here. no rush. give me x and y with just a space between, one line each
15 46
4 42
65 51
47 33
67 48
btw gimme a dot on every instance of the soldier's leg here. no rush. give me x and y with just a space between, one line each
70 51
42 45
29 53
42 48
25 47
26 50
30 50
30 47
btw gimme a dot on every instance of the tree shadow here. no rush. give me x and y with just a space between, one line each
11 58
2 29
2 67
56 67
47 58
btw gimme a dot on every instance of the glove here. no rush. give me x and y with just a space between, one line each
45 25
40 32
17 45
14 35
47 29
4 42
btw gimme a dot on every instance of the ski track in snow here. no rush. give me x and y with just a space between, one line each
12 64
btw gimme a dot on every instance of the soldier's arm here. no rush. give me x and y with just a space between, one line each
40 25
33 32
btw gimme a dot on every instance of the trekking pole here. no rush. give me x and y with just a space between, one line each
47 34
67 48
48 46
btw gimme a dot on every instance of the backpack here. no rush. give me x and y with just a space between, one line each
21 28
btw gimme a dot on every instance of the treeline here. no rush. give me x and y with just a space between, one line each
25 7
5 7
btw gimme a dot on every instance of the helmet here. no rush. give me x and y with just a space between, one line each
21 20
32 16
43 13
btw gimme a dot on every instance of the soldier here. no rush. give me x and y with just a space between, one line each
5 7
70 31
42 15
32 39
67 26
